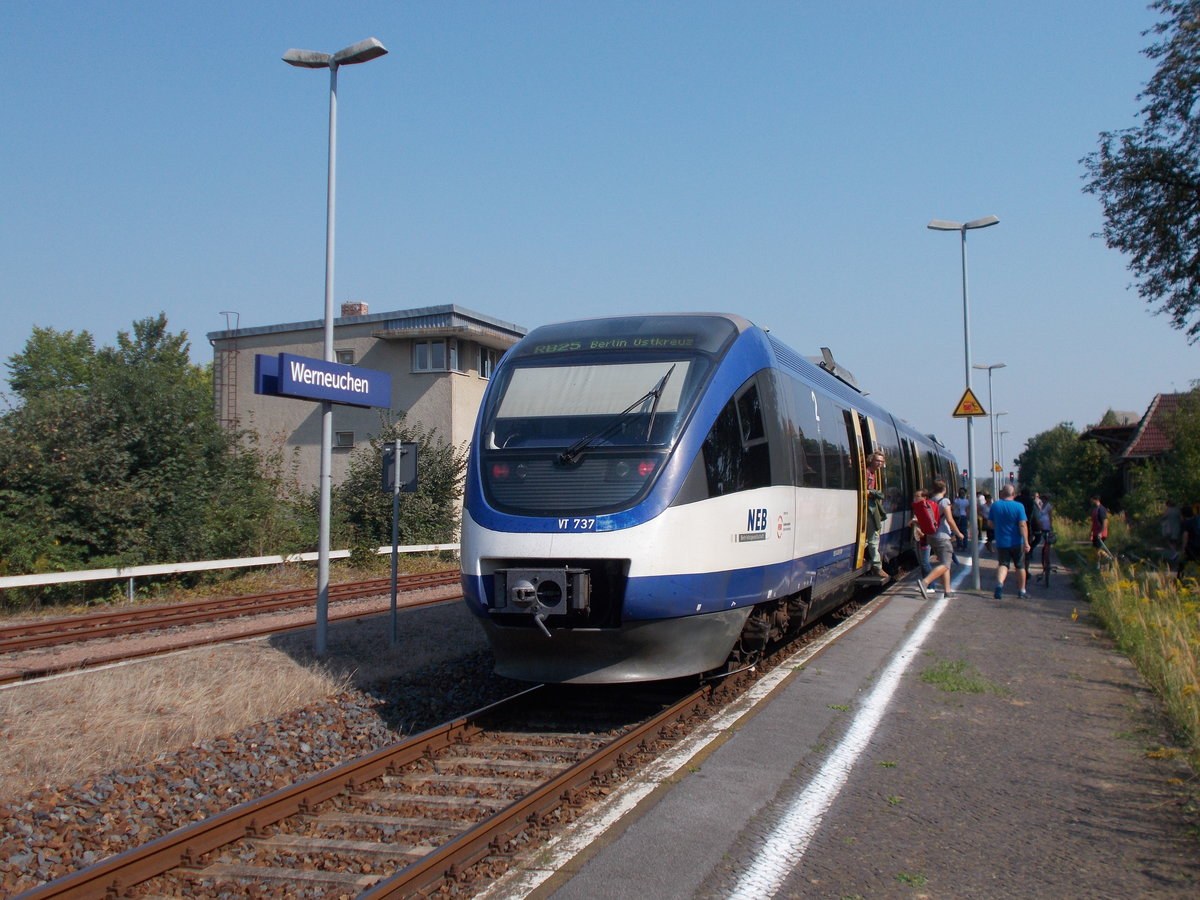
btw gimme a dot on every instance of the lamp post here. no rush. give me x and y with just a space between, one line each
362 52
1000 439
991 417
973 525
996 478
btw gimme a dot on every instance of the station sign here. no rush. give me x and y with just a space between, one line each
305 378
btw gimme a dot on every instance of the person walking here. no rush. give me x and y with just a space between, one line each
920 538
1012 540
941 540
1033 523
1099 523
962 512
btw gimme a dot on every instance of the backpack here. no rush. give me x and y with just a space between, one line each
928 516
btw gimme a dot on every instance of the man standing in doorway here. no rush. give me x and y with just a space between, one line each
1012 539
875 511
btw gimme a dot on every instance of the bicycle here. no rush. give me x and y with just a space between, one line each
1048 538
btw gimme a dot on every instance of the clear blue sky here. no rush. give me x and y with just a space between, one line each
538 161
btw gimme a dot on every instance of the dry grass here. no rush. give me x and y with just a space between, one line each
59 730
1155 621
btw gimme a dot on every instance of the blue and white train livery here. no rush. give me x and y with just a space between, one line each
649 497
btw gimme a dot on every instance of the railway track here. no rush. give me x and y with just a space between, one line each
48 634
451 803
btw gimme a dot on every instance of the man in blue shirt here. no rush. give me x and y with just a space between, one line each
1008 519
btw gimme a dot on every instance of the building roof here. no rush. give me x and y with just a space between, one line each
1152 437
428 321
1113 438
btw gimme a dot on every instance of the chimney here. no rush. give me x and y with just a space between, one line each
354 309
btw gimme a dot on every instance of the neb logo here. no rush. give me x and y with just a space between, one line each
756 520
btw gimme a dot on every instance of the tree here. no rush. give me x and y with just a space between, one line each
1148 177
1058 463
115 457
52 361
429 516
1180 470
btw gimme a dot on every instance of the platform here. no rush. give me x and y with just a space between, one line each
850 773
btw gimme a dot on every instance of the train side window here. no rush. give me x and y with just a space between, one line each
805 444
835 447
735 460
750 416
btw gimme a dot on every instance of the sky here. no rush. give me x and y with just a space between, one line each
560 159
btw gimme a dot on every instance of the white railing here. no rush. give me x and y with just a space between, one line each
131 572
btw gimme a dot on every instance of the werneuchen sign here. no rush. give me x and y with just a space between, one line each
305 378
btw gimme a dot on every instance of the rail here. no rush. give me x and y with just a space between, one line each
131 572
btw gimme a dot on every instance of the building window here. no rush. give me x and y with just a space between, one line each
438 355
487 361
345 357
343 440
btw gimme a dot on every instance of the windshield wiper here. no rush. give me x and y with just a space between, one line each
576 449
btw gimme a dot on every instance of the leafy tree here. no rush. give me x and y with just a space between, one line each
115 457
1057 462
1148 177
1180 469
428 516
52 361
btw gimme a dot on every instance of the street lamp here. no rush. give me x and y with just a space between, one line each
362 52
973 525
1000 438
991 418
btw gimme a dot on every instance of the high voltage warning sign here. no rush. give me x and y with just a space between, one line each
968 407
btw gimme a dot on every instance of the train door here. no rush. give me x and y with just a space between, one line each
860 446
860 430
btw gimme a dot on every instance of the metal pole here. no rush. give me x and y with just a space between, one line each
992 432
395 538
973 524
326 475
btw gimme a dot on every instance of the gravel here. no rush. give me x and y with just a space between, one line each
52 832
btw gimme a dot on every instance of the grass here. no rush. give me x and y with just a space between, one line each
1154 619
959 676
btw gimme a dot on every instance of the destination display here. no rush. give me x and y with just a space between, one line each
660 342
305 378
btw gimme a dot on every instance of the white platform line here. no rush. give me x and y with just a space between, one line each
787 844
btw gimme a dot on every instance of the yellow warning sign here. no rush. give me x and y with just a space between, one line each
968 407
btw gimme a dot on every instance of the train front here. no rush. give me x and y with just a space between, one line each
580 450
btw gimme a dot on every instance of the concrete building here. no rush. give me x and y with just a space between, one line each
439 358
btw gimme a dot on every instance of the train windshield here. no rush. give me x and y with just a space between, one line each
574 408
582 416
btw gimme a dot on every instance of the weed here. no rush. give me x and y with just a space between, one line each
917 880
895 799
888 765
960 677
838 706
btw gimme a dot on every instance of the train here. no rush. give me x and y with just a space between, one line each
659 496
